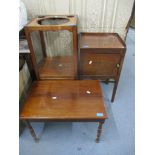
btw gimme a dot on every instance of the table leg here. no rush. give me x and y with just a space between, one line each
32 131
106 81
99 130
114 91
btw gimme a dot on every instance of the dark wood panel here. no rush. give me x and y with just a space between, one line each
99 64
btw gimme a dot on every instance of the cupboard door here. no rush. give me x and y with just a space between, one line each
99 64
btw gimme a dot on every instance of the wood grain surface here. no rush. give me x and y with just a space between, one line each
65 100
100 40
58 67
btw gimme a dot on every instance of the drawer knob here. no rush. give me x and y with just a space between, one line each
118 65
90 62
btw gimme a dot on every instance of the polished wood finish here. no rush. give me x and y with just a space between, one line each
43 43
61 67
32 55
101 57
34 25
75 49
100 41
99 64
64 100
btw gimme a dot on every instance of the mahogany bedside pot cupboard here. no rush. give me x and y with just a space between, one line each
101 57
64 101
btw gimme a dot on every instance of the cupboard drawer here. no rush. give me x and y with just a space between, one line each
99 64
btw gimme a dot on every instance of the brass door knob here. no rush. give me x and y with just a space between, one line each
118 65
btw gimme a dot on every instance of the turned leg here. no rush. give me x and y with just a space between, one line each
99 130
32 131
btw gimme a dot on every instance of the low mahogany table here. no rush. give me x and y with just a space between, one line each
73 100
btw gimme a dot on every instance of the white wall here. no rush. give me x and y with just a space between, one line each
94 15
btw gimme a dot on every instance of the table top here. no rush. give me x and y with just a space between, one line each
64 100
101 40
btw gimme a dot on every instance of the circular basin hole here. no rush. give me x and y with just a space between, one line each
53 21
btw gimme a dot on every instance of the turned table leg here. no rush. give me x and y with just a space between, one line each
32 131
99 130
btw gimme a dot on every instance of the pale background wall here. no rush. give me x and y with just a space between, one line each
24 76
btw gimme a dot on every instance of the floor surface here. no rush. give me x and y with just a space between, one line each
79 138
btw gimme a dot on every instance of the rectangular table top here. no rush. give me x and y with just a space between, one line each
64 100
